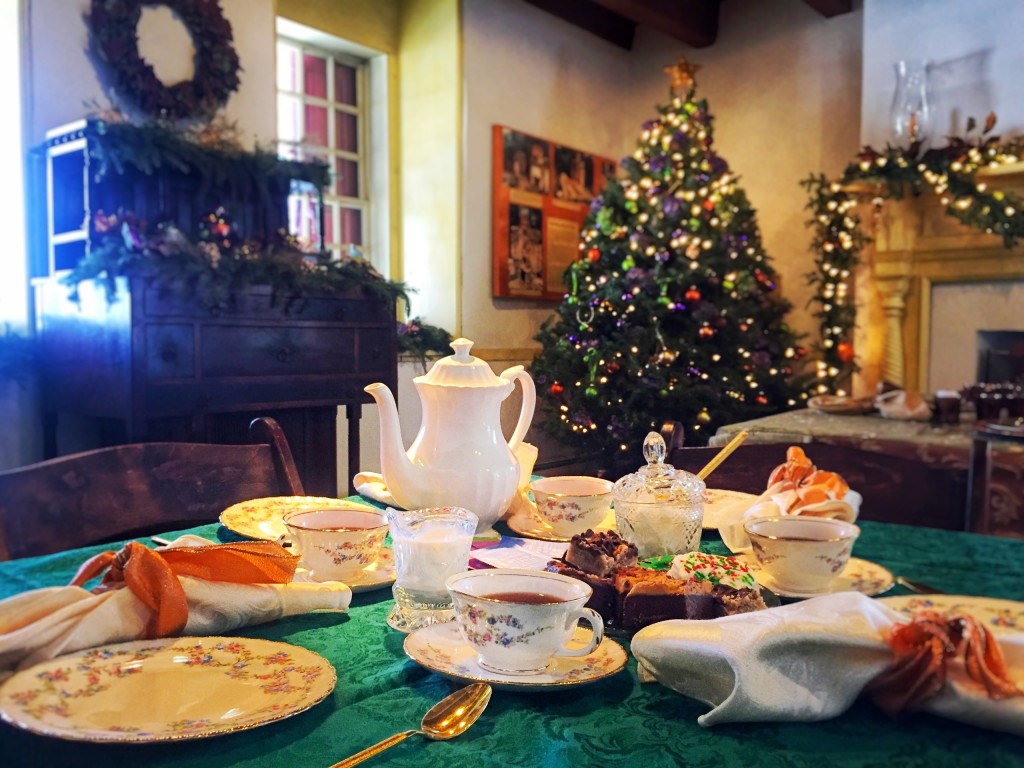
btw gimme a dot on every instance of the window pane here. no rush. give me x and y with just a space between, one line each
346 135
289 151
304 217
315 71
316 125
287 67
329 238
352 226
347 178
289 118
344 84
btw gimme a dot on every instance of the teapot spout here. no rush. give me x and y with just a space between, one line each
394 461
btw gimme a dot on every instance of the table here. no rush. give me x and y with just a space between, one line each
615 722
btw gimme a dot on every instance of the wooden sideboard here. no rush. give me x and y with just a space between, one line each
154 367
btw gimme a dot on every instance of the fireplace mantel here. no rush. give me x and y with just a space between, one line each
916 245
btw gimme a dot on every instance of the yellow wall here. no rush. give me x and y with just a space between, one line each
373 23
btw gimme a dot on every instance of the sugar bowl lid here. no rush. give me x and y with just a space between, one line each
658 482
461 370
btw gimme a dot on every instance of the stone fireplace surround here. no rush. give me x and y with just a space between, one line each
913 290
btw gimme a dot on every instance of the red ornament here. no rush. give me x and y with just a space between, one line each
613 367
844 350
692 295
706 333
593 254
556 389
709 205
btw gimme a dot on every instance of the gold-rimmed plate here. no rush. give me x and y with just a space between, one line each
441 648
207 686
263 518
376 576
526 522
859 575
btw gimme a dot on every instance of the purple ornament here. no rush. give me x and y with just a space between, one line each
671 207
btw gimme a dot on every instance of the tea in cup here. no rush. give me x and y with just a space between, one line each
801 554
336 544
518 620
571 504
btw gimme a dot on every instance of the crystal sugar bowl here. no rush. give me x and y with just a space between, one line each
659 508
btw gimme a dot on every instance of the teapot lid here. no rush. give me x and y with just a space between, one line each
461 370
658 482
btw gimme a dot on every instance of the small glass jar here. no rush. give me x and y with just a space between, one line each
659 508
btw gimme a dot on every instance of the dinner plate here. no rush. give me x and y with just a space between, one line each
441 648
999 616
722 506
166 690
858 576
262 518
526 522
377 576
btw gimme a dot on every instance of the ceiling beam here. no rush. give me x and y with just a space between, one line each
606 24
694 22
830 8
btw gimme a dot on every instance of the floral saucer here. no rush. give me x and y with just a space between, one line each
441 648
724 507
262 518
858 576
525 521
207 686
1002 617
380 574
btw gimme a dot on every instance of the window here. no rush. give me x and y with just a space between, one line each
322 98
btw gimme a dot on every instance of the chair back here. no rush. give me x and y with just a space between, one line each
133 490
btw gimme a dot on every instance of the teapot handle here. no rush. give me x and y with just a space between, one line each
529 403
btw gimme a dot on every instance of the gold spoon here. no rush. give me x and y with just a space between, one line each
448 718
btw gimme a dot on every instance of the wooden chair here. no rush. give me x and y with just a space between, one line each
127 491
895 489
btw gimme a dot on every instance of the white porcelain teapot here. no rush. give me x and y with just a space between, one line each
460 457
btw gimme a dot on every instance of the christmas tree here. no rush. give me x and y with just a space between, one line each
671 310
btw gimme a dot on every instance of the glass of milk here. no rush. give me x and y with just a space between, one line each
429 545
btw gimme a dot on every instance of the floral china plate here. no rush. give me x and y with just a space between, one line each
858 576
262 518
380 574
525 521
1000 616
441 648
207 686
725 507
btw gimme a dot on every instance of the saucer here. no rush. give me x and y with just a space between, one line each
380 574
858 576
441 648
263 518
724 507
526 522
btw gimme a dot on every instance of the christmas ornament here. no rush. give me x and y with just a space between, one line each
593 254
692 294
704 417
682 74
556 389
844 351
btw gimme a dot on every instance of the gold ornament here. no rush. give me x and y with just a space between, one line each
682 74
703 417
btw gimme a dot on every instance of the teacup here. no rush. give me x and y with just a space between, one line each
801 554
571 504
517 620
336 544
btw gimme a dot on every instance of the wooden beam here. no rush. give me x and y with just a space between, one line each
694 22
830 8
606 24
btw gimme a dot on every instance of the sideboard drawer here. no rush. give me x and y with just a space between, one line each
260 303
276 350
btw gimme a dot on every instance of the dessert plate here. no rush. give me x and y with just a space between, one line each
526 522
1001 617
377 576
441 648
723 507
262 518
858 576
207 686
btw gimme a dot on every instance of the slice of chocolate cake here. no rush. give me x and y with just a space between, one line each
600 553
647 596
728 581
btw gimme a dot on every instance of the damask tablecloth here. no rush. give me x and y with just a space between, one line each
615 722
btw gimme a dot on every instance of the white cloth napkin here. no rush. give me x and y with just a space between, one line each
371 485
772 503
44 623
805 661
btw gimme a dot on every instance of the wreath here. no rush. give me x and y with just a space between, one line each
114 25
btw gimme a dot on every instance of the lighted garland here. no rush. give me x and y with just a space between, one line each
951 172
114 25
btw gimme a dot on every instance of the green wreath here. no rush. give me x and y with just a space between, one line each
114 25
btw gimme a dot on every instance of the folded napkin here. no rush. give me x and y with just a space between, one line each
796 487
806 661
190 590
903 404
371 485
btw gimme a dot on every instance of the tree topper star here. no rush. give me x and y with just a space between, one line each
682 74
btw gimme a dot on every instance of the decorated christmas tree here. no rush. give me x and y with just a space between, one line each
672 310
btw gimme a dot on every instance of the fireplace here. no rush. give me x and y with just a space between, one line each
928 288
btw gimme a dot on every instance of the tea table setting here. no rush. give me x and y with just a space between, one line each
560 620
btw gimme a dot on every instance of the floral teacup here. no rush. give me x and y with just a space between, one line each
336 544
801 554
571 504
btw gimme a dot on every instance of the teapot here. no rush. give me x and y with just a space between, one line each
460 457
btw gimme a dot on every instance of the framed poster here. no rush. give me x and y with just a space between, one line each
542 194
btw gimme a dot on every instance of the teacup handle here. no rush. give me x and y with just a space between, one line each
593 618
289 542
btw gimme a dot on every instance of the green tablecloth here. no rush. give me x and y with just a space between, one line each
610 723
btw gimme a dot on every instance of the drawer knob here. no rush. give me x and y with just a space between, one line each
339 313
285 355
168 352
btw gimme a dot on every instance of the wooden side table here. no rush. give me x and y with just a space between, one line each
981 500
